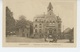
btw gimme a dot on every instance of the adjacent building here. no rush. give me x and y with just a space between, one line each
23 28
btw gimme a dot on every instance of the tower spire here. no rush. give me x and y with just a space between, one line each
50 7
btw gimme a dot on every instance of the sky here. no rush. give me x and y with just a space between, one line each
65 9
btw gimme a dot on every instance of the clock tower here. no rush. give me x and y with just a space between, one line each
50 9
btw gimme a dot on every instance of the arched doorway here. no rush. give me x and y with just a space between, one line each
51 35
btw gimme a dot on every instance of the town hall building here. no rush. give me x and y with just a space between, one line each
47 24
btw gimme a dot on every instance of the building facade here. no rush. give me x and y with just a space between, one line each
38 26
47 24
23 32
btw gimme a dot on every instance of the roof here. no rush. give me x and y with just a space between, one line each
40 16
50 6
67 30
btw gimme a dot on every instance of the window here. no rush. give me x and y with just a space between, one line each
53 21
36 20
54 29
36 25
39 30
35 30
58 21
40 24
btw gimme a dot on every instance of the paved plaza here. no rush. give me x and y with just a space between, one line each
31 40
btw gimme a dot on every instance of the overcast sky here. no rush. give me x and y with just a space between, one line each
30 8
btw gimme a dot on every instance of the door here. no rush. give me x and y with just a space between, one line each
50 33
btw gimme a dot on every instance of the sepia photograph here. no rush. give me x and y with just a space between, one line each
39 23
